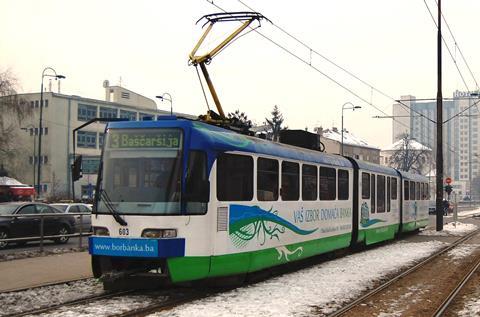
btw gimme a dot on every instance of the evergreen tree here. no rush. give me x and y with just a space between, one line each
275 124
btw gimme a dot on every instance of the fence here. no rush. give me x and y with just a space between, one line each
41 226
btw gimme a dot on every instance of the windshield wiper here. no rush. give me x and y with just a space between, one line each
111 208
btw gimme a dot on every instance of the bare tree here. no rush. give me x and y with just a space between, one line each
13 110
411 156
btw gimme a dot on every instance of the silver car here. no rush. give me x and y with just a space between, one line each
78 208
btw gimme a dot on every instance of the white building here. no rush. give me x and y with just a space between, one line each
61 114
353 146
460 134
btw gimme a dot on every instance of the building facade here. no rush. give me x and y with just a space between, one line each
460 132
352 145
61 115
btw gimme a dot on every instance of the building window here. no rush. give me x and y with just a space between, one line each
86 139
309 182
45 159
130 115
125 95
101 135
108 112
46 103
32 104
86 112
267 179
36 131
36 103
31 131
234 177
45 131
30 160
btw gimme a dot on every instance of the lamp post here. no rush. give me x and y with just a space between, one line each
34 150
162 98
56 76
353 107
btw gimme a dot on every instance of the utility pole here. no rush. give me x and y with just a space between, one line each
439 198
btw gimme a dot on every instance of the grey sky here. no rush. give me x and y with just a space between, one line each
390 44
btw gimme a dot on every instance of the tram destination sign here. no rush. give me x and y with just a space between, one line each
170 139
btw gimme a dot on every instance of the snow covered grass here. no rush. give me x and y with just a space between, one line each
15 302
451 229
16 255
324 287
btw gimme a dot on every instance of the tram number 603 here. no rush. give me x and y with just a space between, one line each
123 231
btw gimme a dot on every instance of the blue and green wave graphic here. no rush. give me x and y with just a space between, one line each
370 222
248 222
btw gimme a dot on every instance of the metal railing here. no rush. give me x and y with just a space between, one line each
41 226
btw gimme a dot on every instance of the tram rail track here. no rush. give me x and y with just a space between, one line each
362 299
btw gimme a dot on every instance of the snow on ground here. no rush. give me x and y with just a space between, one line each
16 255
469 213
324 287
472 308
451 229
107 307
462 251
15 302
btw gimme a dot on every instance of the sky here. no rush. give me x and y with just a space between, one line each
144 45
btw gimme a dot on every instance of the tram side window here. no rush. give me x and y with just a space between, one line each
406 190
365 186
328 183
309 182
389 188
394 188
380 193
234 177
342 185
372 197
290 181
422 191
196 183
417 191
267 179
412 190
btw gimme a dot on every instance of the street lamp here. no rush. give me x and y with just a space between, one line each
56 76
353 107
34 151
162 98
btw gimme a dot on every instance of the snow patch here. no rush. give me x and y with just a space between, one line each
472 308
16 302
451 229
320 289
462 251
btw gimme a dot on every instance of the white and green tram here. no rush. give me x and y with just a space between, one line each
191 201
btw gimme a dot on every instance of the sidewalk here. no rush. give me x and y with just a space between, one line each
32 272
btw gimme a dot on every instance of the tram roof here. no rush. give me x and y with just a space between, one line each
413 177
376 168
212 138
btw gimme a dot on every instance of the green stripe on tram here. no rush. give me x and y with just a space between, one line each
194 268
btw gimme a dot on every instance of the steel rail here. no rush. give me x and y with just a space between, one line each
446 303
361 299
79 301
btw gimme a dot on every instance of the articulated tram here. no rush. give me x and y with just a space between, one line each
184 200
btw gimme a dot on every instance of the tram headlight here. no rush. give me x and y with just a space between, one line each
100 231
159 233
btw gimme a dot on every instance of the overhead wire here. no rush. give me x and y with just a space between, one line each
331 78
329 60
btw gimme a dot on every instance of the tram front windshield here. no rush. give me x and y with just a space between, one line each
142 171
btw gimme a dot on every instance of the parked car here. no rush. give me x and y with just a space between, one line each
78 208
14 225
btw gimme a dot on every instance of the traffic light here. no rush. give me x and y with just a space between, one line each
77 169
448 189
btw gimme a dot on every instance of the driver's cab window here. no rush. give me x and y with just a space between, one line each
29 209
